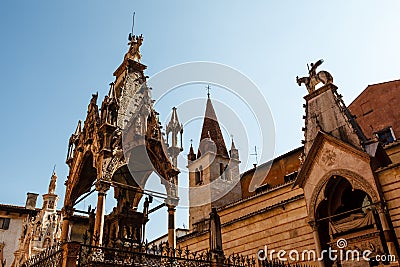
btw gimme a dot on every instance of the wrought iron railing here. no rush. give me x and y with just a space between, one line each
90 255
51 257
154 256
143 255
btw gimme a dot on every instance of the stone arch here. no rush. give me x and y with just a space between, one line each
122 175
356 180
83 179
145 153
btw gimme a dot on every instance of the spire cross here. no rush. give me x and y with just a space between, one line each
208 90
255 154
191 142
54 169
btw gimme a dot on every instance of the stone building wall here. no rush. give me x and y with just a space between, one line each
377 107
10 237
389 179
276 218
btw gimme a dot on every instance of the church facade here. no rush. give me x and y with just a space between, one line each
342 185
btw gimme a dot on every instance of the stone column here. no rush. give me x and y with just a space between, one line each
70 253
317 242
386 230
171 226
102 189
67 212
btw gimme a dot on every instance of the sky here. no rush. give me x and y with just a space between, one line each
55 54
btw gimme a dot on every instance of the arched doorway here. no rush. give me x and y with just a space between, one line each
347 213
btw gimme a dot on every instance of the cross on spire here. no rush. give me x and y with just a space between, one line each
208 90
255 154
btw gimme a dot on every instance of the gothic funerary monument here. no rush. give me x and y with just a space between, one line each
343 184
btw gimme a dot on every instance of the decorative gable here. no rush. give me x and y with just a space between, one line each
330 157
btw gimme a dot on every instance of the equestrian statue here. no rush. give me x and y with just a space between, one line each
315 78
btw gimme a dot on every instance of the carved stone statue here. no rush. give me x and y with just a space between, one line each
135 42
53 183
315 78
215 232
146 205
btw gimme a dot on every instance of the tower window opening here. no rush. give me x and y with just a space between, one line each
4 223
222 173
386 136
199 176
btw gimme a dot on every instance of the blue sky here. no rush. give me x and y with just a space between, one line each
55 54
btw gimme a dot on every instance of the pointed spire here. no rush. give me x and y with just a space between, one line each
191 155
212 130
174 124
176 129
233 144
208 91
234 153
112 94
78 129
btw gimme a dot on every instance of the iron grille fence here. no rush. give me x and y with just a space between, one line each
51 257
154 256
144 256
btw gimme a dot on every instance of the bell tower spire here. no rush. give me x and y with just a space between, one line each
214 178
211 131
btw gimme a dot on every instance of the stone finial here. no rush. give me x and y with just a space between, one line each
234 153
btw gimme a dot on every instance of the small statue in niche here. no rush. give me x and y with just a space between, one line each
116 139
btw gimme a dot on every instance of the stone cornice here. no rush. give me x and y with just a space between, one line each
320 90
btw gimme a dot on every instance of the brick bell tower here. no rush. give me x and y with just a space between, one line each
214 178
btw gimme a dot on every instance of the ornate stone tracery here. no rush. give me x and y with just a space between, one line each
119 145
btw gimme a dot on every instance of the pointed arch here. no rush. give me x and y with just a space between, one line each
356 181
82 182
